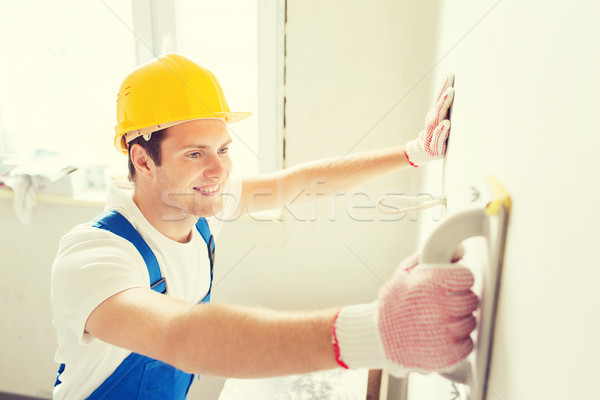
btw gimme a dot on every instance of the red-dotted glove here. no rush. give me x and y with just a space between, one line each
431 143
422 321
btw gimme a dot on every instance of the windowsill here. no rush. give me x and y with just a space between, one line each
95 197
270 224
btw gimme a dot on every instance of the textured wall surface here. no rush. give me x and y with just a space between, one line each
526 91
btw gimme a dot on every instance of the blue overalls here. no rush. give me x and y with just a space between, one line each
138 376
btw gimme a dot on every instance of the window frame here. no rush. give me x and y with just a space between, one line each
154 23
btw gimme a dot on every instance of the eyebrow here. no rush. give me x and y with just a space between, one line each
203 146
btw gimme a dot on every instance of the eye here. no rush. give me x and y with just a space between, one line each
224 150
194 155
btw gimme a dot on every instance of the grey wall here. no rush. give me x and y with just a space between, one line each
27 337
526 96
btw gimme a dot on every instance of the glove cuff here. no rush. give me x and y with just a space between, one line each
356 334
415 154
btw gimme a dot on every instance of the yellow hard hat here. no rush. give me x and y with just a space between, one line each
167 91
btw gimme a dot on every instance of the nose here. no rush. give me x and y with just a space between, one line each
216 168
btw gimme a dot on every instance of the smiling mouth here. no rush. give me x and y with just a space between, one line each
212 190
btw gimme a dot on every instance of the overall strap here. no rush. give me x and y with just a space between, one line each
204 229
116 223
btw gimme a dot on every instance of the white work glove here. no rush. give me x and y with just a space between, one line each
431 143
421 321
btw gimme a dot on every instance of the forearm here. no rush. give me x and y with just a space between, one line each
243 342
340 174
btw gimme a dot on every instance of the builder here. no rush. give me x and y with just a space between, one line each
131 289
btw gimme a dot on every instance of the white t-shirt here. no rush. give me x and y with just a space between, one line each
93 264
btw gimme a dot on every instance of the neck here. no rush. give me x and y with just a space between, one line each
172 222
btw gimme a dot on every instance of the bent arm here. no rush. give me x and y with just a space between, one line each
215 339
325 178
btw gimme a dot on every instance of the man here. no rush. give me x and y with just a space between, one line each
126 286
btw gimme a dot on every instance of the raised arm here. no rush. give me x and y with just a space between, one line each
324 178
339 174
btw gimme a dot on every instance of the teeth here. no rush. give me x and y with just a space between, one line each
211 189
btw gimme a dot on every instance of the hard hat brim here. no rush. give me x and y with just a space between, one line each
122 140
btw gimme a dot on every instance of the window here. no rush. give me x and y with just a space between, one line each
63 62
241 42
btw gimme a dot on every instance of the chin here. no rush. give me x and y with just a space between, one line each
210 210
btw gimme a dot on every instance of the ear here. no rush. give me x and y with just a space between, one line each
143 164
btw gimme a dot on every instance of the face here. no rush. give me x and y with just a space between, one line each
195 168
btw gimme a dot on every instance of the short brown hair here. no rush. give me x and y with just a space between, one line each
152 147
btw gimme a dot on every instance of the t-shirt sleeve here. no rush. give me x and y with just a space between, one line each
91 266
